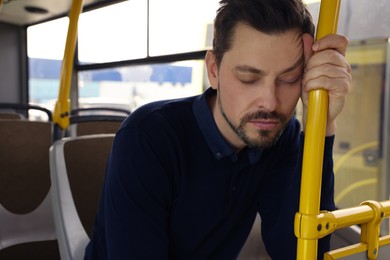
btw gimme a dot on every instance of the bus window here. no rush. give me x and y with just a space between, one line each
45 50
184 31
357 150
117 32
132 86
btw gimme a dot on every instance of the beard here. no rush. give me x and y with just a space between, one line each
265 138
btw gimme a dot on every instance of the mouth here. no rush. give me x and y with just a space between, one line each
264 124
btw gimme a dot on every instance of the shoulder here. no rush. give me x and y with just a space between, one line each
161 123
159 112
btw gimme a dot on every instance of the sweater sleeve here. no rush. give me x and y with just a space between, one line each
278 213
137 198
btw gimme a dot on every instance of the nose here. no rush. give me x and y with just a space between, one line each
266 97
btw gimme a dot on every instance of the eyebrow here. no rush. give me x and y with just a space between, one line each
250 69
246 69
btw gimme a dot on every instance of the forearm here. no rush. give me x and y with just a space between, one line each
135 199
278 228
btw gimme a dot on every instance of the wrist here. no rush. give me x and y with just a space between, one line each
330 128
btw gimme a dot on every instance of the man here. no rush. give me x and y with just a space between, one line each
187 177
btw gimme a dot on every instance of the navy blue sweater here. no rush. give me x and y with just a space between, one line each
175 189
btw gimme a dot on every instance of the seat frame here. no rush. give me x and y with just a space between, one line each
71 235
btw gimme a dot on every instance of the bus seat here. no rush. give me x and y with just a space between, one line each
27 111
100 126
96 120
101 110
26 218
77 166
9 115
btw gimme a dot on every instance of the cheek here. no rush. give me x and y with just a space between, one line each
234 101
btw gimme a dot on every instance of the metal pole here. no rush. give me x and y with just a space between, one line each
62 107
315 139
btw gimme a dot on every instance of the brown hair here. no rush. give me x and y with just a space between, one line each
267 16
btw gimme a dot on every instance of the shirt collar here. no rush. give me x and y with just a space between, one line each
218 145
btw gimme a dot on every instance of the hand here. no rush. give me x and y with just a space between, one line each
326 68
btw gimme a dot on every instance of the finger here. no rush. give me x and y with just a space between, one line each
330 70
332 41
327 58
338 86
307 41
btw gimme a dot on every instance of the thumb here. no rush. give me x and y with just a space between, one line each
307 41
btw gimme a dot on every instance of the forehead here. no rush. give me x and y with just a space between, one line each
253 48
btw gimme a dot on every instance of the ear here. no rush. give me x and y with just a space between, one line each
212 69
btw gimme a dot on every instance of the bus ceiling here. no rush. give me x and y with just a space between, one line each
27 12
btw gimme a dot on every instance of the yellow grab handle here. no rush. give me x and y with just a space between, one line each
62 107
314 141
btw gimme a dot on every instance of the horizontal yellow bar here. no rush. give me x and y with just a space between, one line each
345 251
324 223
354 249
353 216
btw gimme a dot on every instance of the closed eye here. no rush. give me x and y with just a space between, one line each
290 81
248 81
247 75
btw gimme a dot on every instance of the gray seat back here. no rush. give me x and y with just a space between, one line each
77 166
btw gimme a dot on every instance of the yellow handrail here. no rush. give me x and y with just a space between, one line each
369 215
62 107
314 144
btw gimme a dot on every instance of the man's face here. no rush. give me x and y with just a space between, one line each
258 83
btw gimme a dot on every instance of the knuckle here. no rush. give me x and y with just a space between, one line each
343 40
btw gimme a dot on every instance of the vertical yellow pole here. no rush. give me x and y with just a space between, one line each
62 107
315 138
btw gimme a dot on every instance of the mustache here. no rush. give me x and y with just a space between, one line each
263 115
